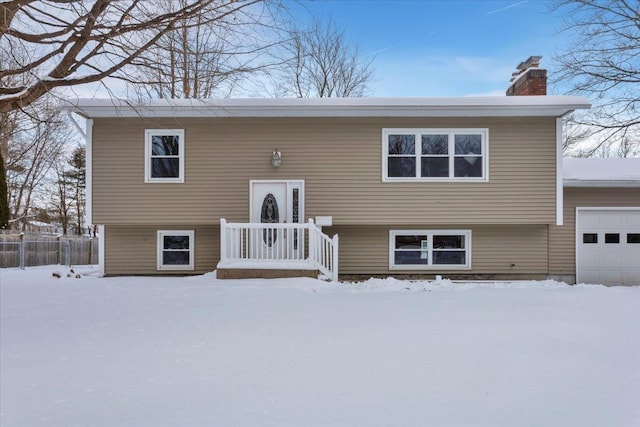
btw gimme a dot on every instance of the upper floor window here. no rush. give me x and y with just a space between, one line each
434 154
164 155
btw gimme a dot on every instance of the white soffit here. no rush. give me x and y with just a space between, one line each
610 172
489 106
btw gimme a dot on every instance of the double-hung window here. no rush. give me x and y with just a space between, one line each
175 249
434 154
164 155
430 249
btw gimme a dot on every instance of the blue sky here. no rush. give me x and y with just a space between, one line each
445 48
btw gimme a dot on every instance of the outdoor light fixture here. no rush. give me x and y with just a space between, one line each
276 159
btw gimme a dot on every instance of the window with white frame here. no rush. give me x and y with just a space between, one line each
175 249
434 154
430 249
164 155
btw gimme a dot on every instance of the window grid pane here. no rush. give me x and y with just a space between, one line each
449 258
435 144
401 167
175 258
468 144
402 145
164 145
165 167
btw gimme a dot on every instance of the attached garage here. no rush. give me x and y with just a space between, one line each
608 245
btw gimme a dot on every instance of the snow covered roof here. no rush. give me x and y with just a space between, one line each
592 172
484 106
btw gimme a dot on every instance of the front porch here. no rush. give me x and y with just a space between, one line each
276 250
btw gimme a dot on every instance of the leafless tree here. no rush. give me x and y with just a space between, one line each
36 143
73 42
604 64
321 62
204 59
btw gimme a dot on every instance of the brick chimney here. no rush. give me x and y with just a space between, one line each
529 79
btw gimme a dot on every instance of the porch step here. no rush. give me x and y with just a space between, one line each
262 273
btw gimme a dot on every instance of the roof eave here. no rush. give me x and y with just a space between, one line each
344 107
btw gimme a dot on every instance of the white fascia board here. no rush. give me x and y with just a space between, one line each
583 183
496 106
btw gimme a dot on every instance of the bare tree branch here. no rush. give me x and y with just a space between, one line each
72 42
604 64
321 62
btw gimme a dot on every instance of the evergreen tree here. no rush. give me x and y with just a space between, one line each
76 179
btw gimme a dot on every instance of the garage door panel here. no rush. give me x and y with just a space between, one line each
591 257
590 276
632 221
590 221
631 277
630 258
617 262
609 258
611 277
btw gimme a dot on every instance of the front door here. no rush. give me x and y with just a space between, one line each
277 202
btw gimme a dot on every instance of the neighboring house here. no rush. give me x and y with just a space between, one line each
467 187
42 227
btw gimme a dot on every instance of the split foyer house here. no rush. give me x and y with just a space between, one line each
467 187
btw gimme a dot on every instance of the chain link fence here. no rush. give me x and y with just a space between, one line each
30 251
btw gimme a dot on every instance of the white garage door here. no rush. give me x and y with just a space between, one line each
608 246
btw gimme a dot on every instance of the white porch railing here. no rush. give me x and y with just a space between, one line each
278 245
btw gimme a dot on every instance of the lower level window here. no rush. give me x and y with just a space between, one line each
175 249
429 249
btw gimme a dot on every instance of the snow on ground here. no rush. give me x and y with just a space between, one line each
198 351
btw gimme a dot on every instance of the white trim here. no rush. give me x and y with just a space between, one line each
609 183
430 234
148 134
559 174
160 249
88 153
291 184
101 245
467 106
75 124
609 208
450 132
577 227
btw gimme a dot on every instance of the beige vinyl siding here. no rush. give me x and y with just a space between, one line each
562 248
132 250
365 249
340 161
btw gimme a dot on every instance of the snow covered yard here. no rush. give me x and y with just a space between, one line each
298 352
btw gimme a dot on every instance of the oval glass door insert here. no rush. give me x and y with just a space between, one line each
269 213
